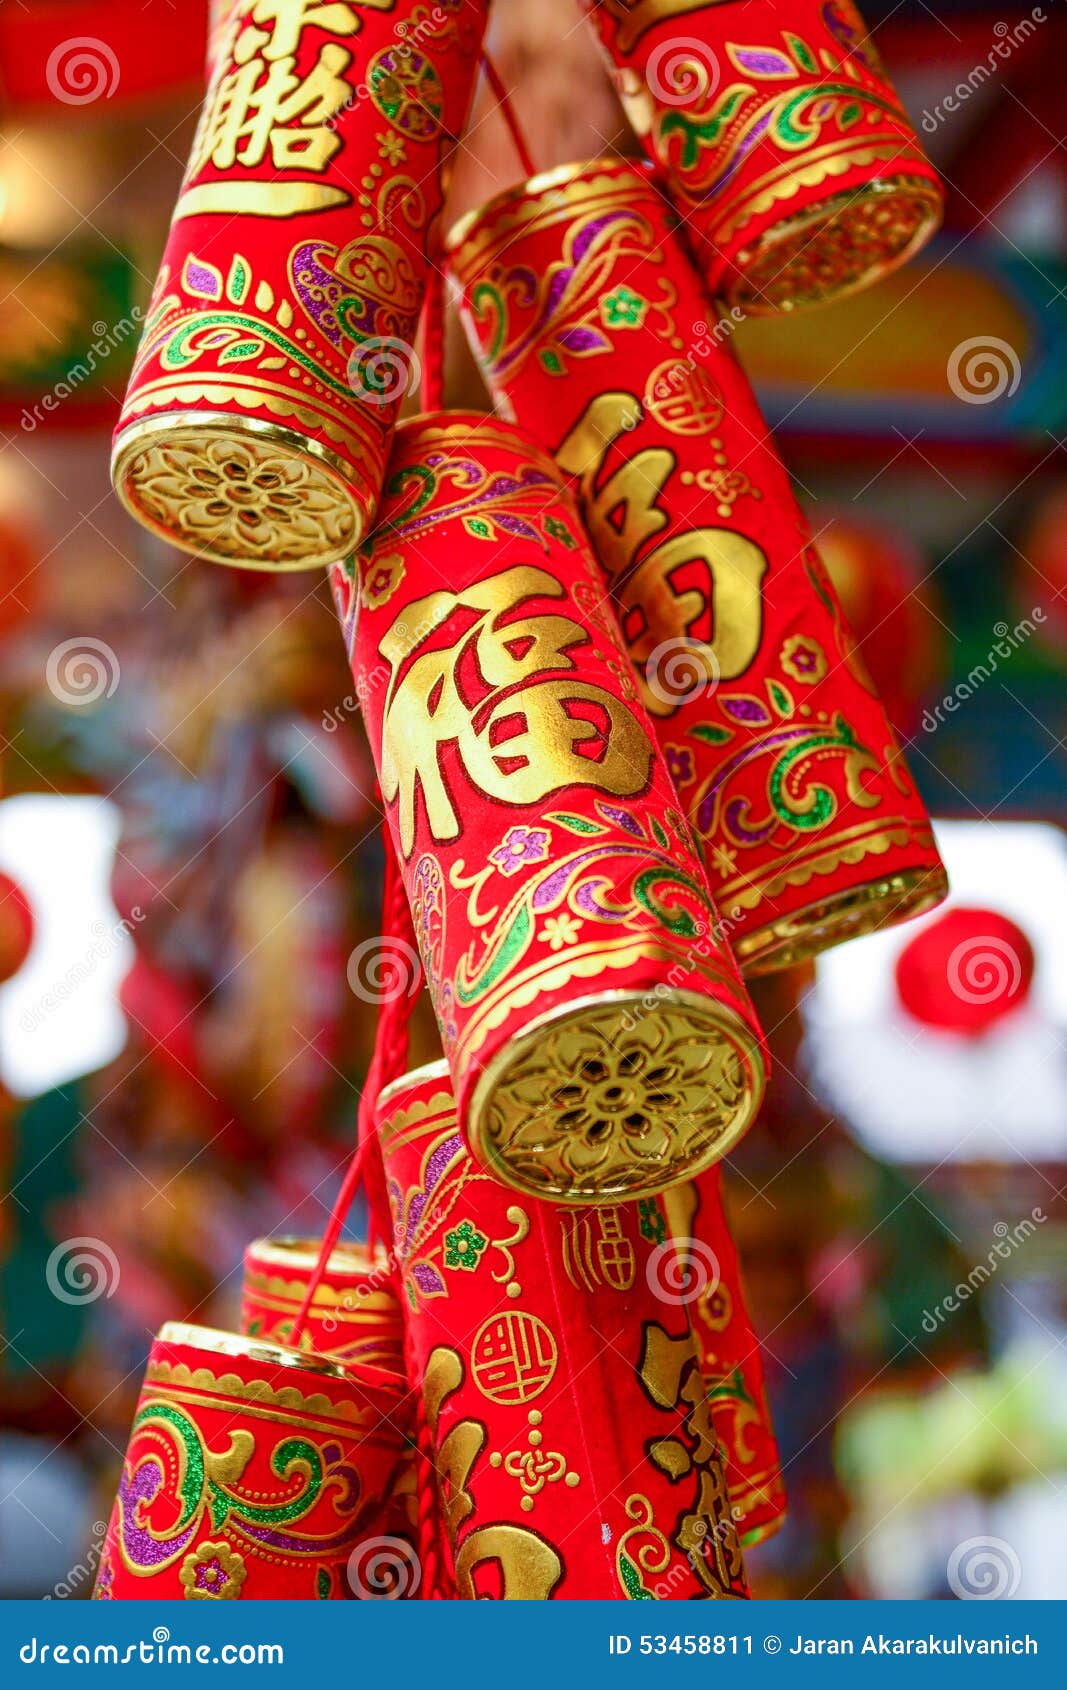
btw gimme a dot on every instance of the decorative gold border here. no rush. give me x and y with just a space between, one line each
416 1077
178 427
445 428
296 1253
215 1342
719 1018
467 233
834 207
817 927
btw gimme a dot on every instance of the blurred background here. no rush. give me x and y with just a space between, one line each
190 873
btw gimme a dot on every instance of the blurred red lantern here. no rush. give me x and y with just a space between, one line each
879 579
16 927
965 970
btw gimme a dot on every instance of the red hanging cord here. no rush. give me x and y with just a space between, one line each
507 112
388 1061
432 392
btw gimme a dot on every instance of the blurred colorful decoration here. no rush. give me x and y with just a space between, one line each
276 1464
781 142
1042 566
977 357
16 927
810 824
886 601
521 781
560 1380
965 971
279 340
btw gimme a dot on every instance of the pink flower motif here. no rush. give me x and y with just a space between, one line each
521 845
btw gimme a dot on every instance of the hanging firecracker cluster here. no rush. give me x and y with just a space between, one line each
626 749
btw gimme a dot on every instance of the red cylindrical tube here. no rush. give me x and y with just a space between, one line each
575 1452
780 140
251 1471
591 329
279 340
707 1272
355 1315
598 1034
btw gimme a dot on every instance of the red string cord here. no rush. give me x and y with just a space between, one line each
388 1062
432 392
507 112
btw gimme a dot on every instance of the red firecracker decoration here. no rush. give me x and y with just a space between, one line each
706 1271
355 1314
575 1452
599 1037
16 927
965 971
251 1471
590 327
780 140
355 1319
279 341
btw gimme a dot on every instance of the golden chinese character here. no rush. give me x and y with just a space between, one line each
504 693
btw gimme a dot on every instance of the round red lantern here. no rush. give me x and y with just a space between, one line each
965 971
16 927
